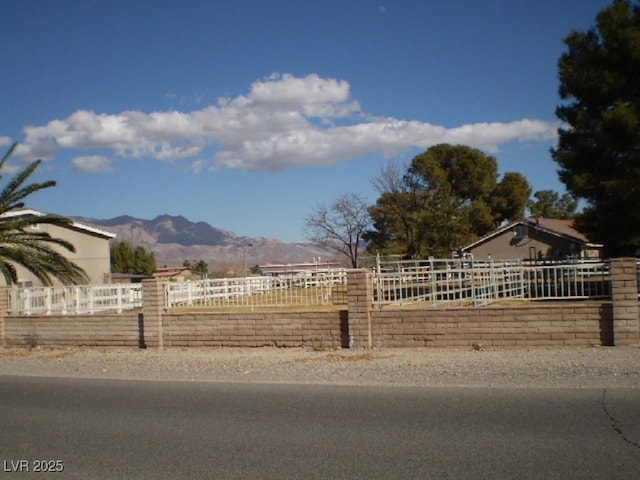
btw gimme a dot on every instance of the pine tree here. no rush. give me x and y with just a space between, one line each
599 150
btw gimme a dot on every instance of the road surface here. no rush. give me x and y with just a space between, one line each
94 429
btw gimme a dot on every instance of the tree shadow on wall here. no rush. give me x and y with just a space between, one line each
344 328
606 325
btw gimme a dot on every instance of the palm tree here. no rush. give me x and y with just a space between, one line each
21 244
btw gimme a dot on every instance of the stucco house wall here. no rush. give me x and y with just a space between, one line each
532 239
92 250
535 245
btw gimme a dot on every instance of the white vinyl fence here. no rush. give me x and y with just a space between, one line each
112 297
314 288
436 282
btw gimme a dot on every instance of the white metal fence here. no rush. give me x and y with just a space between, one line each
434 282
113 297
422 283
320 287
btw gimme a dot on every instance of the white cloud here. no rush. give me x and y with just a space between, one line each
93 164
196 166
283 121
488 136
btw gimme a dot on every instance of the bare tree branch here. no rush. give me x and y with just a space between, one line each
340 225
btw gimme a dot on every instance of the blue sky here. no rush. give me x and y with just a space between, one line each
247 113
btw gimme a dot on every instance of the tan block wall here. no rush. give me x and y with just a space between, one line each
558 323
624 294
584 323
115 330
359 298
324 329
579 323
288 329
153 302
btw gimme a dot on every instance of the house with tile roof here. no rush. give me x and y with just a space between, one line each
535 239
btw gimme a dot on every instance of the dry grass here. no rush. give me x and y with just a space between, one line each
456 304
43 354
276 300
358 357
23 352
341 357
257 308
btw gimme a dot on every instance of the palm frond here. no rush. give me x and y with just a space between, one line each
8 154
36 251
9 273
14 192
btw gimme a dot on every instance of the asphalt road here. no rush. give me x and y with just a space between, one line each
161 430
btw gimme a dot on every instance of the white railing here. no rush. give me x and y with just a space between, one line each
430 282
321 287
450 282
558 281
114 297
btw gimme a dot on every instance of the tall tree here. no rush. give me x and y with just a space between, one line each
599 150
201 268
396 225
134 260
340 225
447 196
22 244
510 197
549 204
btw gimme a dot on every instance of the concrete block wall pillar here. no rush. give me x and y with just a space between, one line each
153 305
624 294
359 299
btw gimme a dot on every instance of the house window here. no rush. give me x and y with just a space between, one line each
521 231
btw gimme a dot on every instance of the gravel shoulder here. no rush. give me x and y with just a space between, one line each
540 367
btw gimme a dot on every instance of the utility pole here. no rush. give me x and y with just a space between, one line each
244 258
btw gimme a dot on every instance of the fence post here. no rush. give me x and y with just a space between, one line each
119 294
153 304
359 299
4 310
48 301
624 294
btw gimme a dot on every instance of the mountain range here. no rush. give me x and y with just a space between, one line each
174 239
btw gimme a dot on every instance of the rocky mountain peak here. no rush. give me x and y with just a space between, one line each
174 239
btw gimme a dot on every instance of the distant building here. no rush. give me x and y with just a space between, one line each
273 269
128 278
176 274
92 249
534 239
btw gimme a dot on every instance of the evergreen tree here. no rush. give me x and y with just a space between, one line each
599 150
448 196
549 204
127 259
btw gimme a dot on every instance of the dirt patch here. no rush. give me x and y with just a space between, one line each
342 357
561 367
15 353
